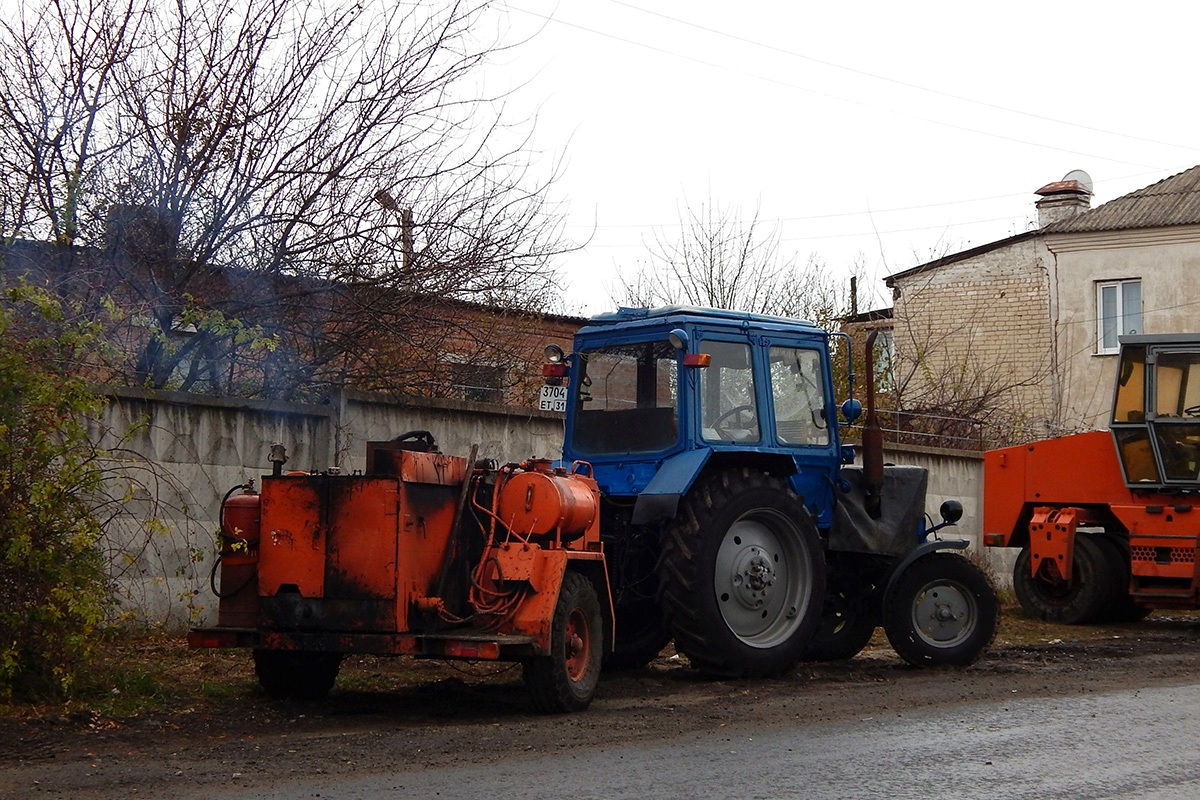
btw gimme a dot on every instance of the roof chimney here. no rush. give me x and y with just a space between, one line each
1064 199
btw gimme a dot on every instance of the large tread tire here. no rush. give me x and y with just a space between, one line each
566 678
942 610
1078 601
641 635
293 675
742 577
842 633
1121 607
850 613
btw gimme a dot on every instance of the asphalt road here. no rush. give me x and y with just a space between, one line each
1118 744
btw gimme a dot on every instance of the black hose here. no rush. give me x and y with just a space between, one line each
212 575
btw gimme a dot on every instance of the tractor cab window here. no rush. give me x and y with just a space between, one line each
1128 423
728 408
627 398
798 392
1176 421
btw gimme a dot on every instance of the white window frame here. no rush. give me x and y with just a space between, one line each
1123 318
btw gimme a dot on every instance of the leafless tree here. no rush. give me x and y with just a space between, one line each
948 387
311 175
718 259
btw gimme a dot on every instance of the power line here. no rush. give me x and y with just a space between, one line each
1014 220
816 217
896 81
827 95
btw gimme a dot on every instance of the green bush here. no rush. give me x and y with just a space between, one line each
53 591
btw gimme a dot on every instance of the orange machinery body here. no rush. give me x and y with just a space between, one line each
1040 493
379 563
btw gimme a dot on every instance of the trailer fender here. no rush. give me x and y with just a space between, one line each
660 499
544 571
917 552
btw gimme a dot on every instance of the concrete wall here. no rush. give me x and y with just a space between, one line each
173 456
957 474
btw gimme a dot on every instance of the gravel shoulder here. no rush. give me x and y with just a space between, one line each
385 715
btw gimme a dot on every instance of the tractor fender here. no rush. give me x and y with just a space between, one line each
660 499
917 552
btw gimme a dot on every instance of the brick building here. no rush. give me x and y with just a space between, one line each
1020 334
323 335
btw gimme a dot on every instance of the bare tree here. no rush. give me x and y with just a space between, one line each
718 259
949 388
313 174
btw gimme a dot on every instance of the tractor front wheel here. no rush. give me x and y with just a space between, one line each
566 678
742 577
941 610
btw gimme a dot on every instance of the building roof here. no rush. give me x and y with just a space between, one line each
1171 201
962 255
877 315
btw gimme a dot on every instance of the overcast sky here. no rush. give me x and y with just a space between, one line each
880 131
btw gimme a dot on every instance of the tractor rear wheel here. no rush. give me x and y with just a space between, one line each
1076 601
941 610
741 576
566 678
294 675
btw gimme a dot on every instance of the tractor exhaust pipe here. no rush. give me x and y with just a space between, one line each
872 440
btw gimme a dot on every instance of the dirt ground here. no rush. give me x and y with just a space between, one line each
218 731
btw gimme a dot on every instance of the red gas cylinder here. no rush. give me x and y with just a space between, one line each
238 595
540 502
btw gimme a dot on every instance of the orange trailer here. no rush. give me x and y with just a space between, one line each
1109 522
375 564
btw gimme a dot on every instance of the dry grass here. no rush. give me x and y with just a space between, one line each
156 673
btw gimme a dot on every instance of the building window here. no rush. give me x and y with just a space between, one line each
1118 312
482 383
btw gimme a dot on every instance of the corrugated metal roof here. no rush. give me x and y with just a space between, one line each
1171 201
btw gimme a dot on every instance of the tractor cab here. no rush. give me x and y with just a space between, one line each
1156 411
655 393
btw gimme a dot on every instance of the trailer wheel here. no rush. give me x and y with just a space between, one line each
842 633
1077 601
641 635
741 576
565 680
941 610
293 675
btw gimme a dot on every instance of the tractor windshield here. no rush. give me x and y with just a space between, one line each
798 392
1158 431
1176 421
628 399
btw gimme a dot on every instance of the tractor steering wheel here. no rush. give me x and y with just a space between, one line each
731 419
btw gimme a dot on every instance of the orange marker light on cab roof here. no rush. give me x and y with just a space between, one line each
697 359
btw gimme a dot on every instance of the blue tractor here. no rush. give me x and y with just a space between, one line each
732 518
